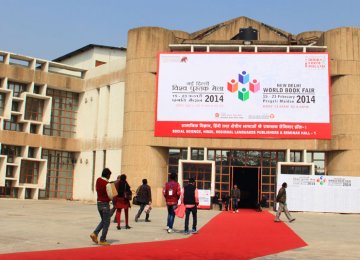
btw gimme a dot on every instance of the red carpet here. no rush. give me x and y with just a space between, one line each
245 235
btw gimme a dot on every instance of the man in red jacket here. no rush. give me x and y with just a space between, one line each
104 196
172 194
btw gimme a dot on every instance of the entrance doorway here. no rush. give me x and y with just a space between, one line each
247 179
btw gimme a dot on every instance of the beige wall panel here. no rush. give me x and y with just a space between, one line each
101 144
152 168
140 82
144 101
345 142
332 40
344 67
348 35
259 144
345 124
345 107
180 35
138 121
345 85
308 36
356 45
16 73
46 142
344 163
343 43
145 42
139 138
107 79
345 104
146 65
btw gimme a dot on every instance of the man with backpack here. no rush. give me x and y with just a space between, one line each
171 192
190 198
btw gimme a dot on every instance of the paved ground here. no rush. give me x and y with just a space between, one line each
29 225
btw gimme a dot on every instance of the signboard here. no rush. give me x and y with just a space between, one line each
321 193
204 199
243 95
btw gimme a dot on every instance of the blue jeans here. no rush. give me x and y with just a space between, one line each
104 211
235 205
193 210
171 215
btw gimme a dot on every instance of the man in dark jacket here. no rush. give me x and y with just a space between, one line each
143 194
235 197
190 198
281 199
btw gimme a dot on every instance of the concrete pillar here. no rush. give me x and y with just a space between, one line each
140 158
343 46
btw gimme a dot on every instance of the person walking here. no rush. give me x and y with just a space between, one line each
216 200
281 199
190 198
113 209
235 197
143 194
123 201
104 195
171 192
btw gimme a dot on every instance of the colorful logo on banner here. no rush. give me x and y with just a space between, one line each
243 86
321 180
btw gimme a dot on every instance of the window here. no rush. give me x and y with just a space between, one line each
60 175
13 124
37 89
10 171
296 156
296 169
31 152
318 158
17 88
33 129
99 63
34 109
15 106
197 154
29 172
2 103
200 172
63 113
11 151
9 191
175 155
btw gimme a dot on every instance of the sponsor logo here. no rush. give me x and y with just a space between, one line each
243 86
321 180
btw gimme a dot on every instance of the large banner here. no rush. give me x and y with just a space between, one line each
243 95
321 193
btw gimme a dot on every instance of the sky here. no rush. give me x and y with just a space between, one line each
49 29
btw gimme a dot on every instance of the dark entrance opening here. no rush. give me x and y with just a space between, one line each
247 179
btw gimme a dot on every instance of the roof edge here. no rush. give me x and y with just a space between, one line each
85 48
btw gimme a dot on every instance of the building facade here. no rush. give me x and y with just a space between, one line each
57 122
254 162
107 111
